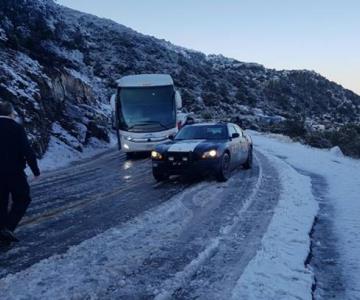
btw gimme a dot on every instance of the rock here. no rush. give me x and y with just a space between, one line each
97 131
336 151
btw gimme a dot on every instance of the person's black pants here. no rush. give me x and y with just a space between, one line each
17 186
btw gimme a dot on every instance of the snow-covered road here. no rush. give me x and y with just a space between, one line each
131 236
103 229
82 201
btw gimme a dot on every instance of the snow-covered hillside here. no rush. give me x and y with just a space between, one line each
59 66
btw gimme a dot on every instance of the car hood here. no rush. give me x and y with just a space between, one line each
189 145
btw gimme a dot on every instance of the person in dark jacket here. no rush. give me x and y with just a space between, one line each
15 153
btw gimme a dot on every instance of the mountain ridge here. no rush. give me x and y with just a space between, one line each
59 68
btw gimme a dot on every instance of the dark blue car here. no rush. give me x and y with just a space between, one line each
205 148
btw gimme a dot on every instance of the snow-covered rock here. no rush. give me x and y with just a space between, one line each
336 151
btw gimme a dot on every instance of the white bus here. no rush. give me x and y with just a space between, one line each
145 111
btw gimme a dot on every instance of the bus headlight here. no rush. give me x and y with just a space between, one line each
128 138
156 155
210 154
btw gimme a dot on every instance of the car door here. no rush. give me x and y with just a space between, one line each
235 146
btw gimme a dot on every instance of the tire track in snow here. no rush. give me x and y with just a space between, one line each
134 259
220 222
77 184
154 239
221 264
324 258
118 191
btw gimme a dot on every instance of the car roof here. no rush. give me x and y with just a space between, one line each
208 124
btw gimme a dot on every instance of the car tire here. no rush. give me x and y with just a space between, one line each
248 164
160 176
224 172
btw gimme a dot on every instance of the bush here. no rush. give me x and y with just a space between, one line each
294 128
318 140
210 99
347 138
206 115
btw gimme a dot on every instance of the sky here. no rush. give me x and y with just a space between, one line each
319 35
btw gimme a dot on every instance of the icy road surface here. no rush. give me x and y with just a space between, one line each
104 229
77 203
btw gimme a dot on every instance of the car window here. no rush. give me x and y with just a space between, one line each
239 130
231 130
210 132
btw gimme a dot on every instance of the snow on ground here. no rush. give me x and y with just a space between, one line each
343 178
89 269
278 270
61 155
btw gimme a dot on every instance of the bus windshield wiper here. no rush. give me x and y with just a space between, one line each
137 125
149 123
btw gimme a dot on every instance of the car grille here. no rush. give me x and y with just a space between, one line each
183 157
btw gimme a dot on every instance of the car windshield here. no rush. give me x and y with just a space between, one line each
210 132
147 109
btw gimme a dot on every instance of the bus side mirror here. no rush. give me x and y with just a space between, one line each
235 136
113 101
113 111
178 100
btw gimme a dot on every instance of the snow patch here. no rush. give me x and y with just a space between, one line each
343 179
80 76
278 271
87 270
60 154
73 55
3 36
60 133
336 151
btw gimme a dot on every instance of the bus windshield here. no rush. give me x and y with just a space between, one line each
147 109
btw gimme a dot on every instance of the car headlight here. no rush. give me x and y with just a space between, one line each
210 154
156 155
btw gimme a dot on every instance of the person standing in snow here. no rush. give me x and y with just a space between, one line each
15 153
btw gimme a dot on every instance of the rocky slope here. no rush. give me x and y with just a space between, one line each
59 66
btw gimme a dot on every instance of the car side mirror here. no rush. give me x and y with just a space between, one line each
171 137
235 135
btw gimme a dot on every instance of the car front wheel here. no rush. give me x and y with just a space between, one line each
248 164
160 176
224 172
